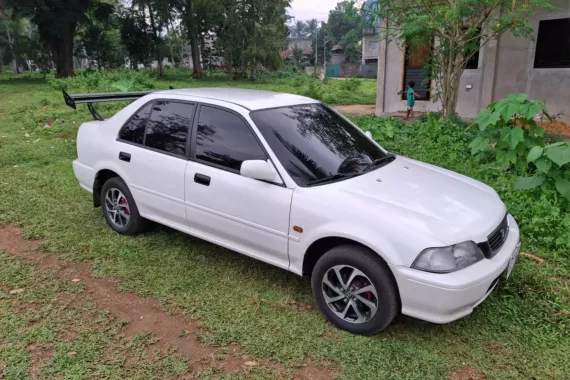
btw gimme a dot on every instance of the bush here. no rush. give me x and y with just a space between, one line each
509 134
351 85
314 91
103 81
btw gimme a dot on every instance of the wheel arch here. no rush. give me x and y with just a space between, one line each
101 177
321 246
324 244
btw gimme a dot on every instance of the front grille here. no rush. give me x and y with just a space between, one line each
497 238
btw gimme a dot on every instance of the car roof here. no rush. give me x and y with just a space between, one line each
250 99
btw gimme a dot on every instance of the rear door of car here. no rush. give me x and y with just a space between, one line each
244 214
153 147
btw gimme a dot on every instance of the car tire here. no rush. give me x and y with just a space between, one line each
119 208
371 286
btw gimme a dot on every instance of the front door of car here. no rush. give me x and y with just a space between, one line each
152 149
243 214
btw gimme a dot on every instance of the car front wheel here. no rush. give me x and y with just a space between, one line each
120 209
355 290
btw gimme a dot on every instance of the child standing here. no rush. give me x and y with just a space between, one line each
411 96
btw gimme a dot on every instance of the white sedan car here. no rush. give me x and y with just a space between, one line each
287 180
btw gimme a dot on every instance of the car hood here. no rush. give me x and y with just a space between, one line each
448 205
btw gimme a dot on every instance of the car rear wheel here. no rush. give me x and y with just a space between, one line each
120 209
355 290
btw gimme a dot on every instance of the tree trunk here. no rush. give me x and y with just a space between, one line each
253 76
451 79
1 62
11 46
170 46
193 30
230 66
155 38
62 50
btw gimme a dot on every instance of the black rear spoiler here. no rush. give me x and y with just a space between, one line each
71 100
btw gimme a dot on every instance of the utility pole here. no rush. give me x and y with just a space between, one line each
317 51
325 54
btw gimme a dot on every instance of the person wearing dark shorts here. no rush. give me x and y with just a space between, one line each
411 96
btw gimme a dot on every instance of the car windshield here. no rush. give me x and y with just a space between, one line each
315 145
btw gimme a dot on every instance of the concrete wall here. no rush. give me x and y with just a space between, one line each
370 45
505 67
516 72
348 70
369 70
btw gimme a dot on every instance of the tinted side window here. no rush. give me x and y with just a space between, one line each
224 139
168 125
133 130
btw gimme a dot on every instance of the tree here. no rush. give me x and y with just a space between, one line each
351 45
456 30
299 29
136 36
345 25
266 26
57 22
100 35
298 56
312 28
343 19
191 12
249 33
323 43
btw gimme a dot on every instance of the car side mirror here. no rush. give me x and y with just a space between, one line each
368 134
259 169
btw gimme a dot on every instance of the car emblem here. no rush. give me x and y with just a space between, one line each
503 233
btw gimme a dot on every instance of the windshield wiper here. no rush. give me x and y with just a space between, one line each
379 162
332 178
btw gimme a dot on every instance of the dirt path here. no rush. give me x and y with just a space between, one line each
356 109
144 315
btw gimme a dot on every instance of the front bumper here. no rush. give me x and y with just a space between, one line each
442 298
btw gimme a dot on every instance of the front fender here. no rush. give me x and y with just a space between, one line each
300 243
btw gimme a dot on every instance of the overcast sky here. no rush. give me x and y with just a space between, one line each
308 9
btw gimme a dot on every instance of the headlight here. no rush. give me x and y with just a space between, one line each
448 259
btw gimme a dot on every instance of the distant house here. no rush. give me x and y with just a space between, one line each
539 67
300 42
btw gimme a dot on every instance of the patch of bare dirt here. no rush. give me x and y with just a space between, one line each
466 373
556 127
39 355
356 109
143 315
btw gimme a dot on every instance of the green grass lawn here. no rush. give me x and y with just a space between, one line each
521 332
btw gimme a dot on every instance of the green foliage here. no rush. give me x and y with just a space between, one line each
92 81
382 129
507 129
351 84
344 27
508 132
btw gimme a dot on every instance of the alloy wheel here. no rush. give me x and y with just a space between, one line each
350 294
117 207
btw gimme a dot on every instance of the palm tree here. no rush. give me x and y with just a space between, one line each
312 26
299 28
